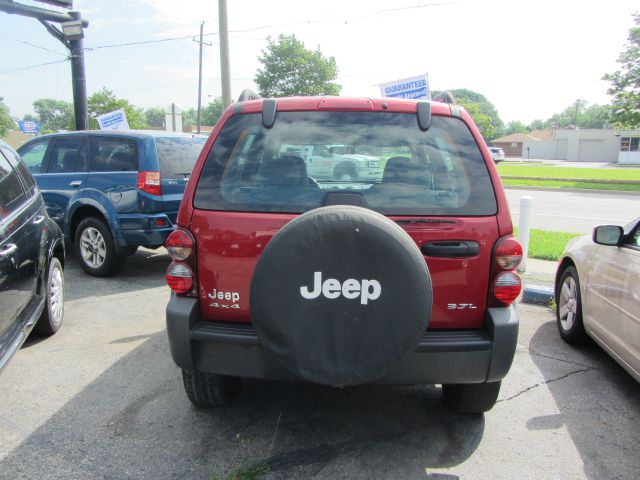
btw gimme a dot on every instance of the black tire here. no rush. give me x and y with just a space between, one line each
51 318
569 308
345 172
208 389
94 248
472 397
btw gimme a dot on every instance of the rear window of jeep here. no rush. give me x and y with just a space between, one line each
384 158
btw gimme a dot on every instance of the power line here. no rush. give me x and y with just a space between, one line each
32 45
142 42
30 67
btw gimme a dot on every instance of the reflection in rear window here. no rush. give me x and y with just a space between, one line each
178 155
383 158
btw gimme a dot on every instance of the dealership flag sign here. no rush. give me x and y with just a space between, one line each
416 88
113 121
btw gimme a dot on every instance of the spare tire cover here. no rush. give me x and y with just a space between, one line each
340 296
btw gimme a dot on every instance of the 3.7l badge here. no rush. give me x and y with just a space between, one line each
461 306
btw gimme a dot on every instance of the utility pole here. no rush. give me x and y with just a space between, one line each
70 36
202 43
224 53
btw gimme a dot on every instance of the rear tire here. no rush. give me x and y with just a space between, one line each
51 318
94 248
208 389
472 397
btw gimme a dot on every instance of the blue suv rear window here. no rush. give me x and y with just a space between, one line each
383 158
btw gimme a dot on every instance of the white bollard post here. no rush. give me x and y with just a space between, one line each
524 228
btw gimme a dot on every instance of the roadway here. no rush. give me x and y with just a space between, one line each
572 211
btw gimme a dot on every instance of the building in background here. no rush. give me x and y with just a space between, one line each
574 145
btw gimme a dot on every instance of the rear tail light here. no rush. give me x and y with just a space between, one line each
506 282
150 182
506 287
180 244
179 277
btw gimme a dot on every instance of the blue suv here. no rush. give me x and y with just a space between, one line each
112 192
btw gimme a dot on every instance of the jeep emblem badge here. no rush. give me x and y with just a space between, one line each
350 289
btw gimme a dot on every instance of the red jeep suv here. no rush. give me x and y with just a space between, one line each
401 278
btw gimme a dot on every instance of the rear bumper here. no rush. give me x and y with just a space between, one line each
464 356
149 230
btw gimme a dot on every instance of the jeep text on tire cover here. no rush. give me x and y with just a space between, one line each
350 289
369 240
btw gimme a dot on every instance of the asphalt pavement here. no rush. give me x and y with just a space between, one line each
102 399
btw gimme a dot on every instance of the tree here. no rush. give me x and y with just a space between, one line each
154 117
291 69
625 83
211 112
486 107
54 114
537 124
104 101
6 122
482 120
515 127
581 115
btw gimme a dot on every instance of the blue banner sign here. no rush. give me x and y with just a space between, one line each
29 126
416 88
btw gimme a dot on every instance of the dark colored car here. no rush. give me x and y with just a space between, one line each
402 278
112 192
31 259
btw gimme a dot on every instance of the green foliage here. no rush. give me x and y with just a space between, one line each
154 117
211 113
537 125
288 68
625 83
485 107
515 127
6 122
482 120
104 101
54 114
546 245
246 472
579 114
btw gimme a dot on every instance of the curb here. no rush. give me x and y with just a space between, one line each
573 190
537 295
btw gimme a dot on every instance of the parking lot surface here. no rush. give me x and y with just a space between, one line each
103 399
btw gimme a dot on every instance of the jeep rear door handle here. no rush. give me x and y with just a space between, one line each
450 249
38 219
8 249
75 183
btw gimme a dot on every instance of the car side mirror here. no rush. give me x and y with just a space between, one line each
608 235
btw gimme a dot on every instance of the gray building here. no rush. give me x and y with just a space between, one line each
576 145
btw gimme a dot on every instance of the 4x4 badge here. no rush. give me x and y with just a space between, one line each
218 296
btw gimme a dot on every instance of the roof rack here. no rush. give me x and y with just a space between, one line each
248 94
444 97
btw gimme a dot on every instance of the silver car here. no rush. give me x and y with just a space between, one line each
598 292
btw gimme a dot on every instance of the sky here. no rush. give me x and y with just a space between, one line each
531 59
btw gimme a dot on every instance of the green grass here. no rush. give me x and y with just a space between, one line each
589 185
247 472
545 245
549 171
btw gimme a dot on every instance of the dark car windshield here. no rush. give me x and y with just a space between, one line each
178 155
396 168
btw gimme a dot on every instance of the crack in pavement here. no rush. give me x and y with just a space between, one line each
533 352
545 382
